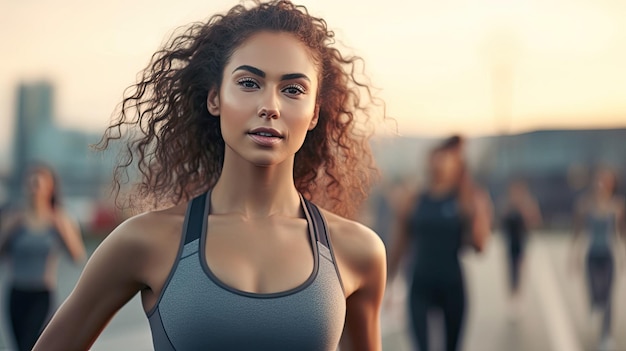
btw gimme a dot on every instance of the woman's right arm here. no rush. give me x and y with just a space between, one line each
482 219
400 235
9 221
576 250
110 279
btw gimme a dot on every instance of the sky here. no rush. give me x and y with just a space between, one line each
477 67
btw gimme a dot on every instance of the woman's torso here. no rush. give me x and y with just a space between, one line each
514 226
437 227
600 227
197 310
34 253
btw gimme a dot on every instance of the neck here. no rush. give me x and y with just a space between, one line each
254 191
439 187
601 196
40 206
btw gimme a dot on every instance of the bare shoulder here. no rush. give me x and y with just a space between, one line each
150 228
141 239
357 241
9 220
360 252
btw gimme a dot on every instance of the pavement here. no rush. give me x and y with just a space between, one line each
553 313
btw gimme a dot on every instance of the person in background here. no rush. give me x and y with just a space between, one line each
33 238
520 214
598 230
243 125
449 213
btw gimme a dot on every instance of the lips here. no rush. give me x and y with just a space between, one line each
266 132
265 137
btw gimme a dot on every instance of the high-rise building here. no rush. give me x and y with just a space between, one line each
34 116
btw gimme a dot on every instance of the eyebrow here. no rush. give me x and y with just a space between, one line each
262 74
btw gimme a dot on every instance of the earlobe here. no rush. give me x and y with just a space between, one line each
213 102
316 117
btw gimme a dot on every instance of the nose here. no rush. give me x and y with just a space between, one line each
269 106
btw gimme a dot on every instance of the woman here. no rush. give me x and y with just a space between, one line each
521 214
599 217
436 223
33 239
245 119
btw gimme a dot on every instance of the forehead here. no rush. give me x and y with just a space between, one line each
275 53
604 174
40 172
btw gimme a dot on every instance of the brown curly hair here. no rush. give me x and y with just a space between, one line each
178 147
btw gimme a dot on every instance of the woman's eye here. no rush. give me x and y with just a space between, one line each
248 83
294 89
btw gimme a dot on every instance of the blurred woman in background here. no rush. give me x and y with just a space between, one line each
451 212
598 226
33 238
520 214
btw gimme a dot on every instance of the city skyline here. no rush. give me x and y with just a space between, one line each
555 64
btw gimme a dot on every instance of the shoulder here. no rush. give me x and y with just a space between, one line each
147 233
10 220
358 248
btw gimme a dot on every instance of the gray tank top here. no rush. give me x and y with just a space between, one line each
196 311
34 258
600 230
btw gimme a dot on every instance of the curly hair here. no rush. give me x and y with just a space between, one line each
177 145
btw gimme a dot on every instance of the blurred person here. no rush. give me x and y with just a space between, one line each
520 214
598 227
246 120
33 237
449 213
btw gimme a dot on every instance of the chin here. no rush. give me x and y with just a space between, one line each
264 161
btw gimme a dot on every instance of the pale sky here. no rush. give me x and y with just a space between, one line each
432 60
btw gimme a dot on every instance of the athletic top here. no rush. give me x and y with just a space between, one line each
196 311
34 257
514 226
600 229
437 227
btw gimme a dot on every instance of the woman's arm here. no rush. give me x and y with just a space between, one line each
400 235
9 221
482 219
364 281
108 282
361 259
576 255
71 236
620 223
532 213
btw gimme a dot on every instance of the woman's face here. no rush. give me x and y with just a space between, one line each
445 166
40 182
267 101
604 181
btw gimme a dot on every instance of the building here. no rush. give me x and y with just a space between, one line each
34 115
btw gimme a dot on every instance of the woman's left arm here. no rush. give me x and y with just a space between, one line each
71 236
482 219
362 261
620 229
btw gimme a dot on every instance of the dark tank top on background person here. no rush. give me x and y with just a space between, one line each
601 228
437 228
196 311
514 228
